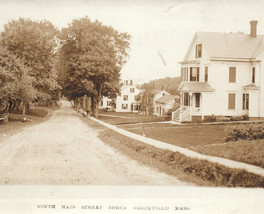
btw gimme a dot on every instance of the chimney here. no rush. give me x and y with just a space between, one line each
253 28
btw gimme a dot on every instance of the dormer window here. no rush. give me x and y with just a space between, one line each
198 51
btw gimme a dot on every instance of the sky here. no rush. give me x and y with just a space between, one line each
161 30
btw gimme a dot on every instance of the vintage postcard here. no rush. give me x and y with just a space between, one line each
111 106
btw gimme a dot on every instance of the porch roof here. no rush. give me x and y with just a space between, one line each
251 86
196 87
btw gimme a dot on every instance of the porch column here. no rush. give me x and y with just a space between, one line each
201 105
190 94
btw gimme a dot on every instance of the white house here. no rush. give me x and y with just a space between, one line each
158 94
106 103
164 104
126 100
222 74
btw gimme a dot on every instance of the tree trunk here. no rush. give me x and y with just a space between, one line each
95 106
24 109
17 105
85 102
27 107
89 105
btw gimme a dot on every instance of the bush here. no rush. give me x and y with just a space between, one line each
236 118
245 132
211 118
245 117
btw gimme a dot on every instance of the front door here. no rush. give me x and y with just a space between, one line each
197 102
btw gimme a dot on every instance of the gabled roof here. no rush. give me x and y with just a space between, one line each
196 87
230 45
157 91
166 99
123 87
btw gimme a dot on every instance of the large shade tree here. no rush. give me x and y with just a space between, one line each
34 44
15 83
91 57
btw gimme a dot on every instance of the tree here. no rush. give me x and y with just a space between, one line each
91 56
34 44
146 99
15 83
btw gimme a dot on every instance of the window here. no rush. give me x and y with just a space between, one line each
124 106
125 97
194 74
245 104
253 75
184 74
186 99
197 100
108 103
132 90
206 74
198 51
232 74
231 101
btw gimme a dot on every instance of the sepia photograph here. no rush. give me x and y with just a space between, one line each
121 106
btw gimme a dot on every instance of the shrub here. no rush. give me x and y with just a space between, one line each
236 118
245 132
245 117
211 118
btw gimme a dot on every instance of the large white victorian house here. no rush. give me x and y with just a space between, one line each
222 74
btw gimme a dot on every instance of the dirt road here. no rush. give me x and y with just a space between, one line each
64 150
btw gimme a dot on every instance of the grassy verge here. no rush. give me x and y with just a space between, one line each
184 136
200 172
36 115
251 152
117 118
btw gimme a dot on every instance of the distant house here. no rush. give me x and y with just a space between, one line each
126 100
159 93
164 104
222 74
107 103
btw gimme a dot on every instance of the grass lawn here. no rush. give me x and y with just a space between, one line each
117 118
205 139
35 115
251 152
187 136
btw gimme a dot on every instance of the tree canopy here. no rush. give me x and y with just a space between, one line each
15 83
34 44
91 57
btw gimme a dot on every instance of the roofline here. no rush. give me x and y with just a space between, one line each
190 62
222 59
173 98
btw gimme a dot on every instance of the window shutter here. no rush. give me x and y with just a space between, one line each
244 101
197 75
253 75
231 101
206 74
232 74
